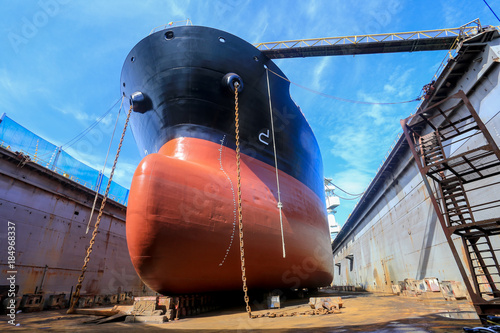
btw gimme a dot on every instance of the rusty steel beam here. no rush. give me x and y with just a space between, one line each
460 219
435 204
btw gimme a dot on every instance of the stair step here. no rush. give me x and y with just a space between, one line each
429 139
455 206
452 214
461 218
433 152
485 266
456 195
455 203
484 258
430 146
460 213
428 152
433 158
460 222
450 187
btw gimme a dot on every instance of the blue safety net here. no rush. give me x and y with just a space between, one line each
16 138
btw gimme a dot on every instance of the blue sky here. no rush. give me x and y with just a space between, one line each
60 64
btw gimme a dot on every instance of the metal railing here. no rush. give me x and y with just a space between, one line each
469 29
32 158
171 24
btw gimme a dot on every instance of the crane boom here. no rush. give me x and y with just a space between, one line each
427 40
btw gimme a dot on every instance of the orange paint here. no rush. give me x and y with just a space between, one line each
182 223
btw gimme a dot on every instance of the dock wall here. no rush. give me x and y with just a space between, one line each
393 233
50 213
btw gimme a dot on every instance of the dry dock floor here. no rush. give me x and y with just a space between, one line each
362 312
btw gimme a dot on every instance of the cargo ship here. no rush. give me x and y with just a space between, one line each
182 216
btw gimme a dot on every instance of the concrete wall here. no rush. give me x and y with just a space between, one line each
394 233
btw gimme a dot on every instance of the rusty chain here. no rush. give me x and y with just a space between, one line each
240 214
240 218
314 312
76 296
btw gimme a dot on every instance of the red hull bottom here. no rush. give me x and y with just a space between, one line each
182 223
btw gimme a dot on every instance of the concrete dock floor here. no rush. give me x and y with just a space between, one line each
362 312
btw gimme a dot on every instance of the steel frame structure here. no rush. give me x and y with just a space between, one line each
438 137
425 40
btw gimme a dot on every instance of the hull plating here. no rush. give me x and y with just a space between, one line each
182 226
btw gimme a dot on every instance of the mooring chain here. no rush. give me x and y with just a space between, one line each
240 215
240 218
76 296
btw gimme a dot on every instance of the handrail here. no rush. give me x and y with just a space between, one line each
60 171
171 24
468 29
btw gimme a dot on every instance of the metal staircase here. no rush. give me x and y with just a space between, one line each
457 155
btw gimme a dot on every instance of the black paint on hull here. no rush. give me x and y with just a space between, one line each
180 71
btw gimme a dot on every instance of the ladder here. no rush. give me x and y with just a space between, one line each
455 152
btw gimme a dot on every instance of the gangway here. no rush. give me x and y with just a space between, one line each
425 40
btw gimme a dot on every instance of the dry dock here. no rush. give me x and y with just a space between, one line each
391 242
362 312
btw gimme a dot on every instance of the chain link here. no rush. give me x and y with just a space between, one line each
240 214
76 296
240 218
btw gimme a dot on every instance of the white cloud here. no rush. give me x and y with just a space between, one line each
351 180
399 87
318 73
450 14
7 83
312 8
175 9
389 88
124 173
74 111
355 145
84 117
401 83
259 27
104 12
18 87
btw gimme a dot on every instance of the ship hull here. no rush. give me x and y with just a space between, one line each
182 225
182 228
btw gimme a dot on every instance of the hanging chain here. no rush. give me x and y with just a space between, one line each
76 296
240 218
240 215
